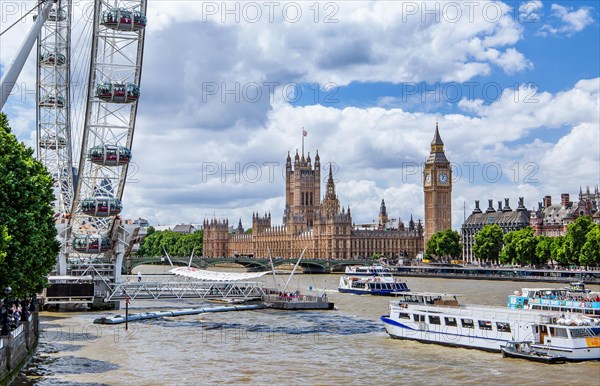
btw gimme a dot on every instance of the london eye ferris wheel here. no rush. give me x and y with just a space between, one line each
89 61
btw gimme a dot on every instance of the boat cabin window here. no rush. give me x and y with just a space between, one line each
503 327
419 318
403 315
485 325
467 323
585 332
450 321
434 319
411 299
559 332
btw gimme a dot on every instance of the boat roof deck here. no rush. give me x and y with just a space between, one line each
417 293
485 312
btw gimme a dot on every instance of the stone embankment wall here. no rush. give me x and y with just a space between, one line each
17 347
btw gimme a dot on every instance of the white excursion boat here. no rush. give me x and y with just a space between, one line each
371 285
438 318
571 299
367 270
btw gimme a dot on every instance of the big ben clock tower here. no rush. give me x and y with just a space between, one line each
437 186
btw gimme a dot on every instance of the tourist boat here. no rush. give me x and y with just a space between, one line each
523 350
438 318
575 298
371 285
367 270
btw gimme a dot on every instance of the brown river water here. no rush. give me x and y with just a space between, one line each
346 346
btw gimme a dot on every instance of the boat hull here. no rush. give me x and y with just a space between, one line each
367 292
534 357
422 332
399 330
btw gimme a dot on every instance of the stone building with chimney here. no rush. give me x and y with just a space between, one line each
548 219
508 220
553 219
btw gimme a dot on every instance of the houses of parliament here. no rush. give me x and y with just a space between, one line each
324 229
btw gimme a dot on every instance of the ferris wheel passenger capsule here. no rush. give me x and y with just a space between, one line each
92 243
57 15
109 155
53 58
51 101
101 206
122 19
115 92
53 142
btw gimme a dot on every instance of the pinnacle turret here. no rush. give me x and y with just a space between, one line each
437 154
437 139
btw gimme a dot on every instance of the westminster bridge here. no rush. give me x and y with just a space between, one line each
250 263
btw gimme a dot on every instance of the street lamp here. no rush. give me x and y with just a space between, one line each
126 309
5 326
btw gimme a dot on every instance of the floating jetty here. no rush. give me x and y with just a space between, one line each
118 319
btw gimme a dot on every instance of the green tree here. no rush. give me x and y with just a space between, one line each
488 243
26 214
508 255
590 252
248 231
4 238
519 247
175 244
558 251
576 237
444 244
190 243
543 250
150 230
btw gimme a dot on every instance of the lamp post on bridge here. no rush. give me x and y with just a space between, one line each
5 326
127 300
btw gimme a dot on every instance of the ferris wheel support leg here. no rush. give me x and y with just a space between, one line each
12 74
120 253
61 266
63 254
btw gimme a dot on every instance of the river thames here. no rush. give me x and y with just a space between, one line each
345 346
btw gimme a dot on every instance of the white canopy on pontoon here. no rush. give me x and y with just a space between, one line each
203 274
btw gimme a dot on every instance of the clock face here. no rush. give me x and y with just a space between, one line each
428 178
443 177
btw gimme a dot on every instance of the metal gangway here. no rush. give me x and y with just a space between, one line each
186 289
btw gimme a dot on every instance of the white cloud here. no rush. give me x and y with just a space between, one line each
575 156
191 46
513 61
378 49
195 151
377 153
571 20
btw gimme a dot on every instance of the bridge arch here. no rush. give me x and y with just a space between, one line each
251 264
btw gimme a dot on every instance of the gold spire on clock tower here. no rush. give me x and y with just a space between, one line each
437 187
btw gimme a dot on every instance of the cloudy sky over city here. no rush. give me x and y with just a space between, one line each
228 87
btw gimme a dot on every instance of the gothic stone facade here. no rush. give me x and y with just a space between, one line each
323 228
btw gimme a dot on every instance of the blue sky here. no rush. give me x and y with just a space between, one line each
514 86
